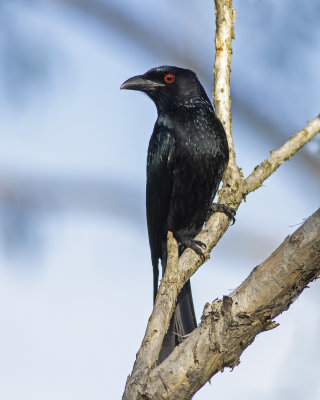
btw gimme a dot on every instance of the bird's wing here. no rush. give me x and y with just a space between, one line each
159 188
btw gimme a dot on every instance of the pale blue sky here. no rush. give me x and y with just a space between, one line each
75 270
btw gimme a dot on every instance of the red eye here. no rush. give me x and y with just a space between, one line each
169 78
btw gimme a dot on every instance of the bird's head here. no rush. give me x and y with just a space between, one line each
167 86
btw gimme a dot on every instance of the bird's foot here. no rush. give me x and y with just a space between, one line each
195 245
223 208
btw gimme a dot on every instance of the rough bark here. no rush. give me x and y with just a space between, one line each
230 325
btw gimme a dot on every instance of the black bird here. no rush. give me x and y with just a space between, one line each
187 156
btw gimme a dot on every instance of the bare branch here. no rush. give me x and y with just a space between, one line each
157 325
287 150
230 325
225 16
227 327
163 309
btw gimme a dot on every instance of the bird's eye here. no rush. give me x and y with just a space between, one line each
169 78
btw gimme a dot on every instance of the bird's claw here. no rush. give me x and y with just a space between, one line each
200 244
223 208
193 244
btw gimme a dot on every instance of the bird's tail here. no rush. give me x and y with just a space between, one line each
183 322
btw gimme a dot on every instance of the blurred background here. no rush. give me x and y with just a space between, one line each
75 269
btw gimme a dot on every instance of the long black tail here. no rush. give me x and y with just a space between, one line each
183 322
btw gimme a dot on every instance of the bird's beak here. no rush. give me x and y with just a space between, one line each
140 83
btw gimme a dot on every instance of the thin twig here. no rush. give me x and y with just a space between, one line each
287 150
225 16
158 322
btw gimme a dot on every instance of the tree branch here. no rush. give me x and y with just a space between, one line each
157 325
287 150
225 16
163 309
227 327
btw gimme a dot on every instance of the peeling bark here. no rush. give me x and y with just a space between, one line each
230 325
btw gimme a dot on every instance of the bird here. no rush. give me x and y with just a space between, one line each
187 156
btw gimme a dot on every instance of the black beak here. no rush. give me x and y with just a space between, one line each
140 83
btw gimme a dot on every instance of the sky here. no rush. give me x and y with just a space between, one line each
75 269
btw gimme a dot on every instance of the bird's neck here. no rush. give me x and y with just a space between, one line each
183 105
196 102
